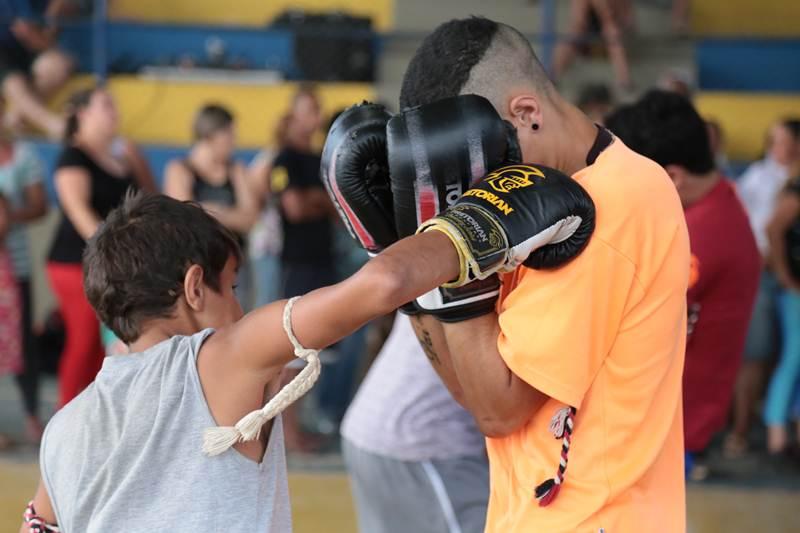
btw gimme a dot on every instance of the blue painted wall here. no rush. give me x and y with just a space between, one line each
769 65
131 45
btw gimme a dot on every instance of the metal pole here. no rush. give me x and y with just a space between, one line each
547 19
99 41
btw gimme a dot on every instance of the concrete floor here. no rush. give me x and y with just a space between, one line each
321 503
747 496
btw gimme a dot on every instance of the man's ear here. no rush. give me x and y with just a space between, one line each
194 288
524 111
677 174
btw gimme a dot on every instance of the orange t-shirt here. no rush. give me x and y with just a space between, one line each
606 334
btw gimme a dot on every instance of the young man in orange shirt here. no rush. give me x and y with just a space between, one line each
591 352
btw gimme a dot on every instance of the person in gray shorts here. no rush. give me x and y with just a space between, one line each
416 459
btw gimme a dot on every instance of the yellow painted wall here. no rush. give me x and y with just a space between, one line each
244 12
155 111
746 17
745 118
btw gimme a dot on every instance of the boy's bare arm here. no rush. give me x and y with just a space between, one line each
236 363
258 343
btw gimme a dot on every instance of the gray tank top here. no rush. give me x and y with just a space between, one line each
125 455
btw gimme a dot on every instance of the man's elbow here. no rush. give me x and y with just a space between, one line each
502 421
498 428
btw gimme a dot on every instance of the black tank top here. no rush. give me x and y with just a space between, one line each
203 191
106 192
223 194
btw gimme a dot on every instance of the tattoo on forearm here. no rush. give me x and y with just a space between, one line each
427 343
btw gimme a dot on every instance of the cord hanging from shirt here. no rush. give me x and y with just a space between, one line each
218 439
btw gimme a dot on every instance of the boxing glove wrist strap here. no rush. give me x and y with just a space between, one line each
462 303
478 238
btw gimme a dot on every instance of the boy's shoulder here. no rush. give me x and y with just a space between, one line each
127 386
123 377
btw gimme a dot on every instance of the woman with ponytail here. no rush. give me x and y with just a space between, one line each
93 173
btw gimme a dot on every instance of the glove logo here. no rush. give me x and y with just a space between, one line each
507 179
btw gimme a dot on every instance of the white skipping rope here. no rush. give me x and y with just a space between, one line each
218 439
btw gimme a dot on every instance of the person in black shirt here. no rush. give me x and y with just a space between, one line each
306 210
93 173
306 217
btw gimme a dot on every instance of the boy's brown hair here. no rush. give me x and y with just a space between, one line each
134 266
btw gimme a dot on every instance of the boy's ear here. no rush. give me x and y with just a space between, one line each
194 288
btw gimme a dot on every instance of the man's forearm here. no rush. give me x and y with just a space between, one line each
498 399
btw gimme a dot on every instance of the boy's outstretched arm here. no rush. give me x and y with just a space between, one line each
320 318
238 365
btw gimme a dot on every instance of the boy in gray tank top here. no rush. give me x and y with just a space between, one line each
146 447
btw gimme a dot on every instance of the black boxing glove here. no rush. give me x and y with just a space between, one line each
439 150
355 171
436 153
520 214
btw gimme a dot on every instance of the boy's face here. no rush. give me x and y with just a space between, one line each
222 308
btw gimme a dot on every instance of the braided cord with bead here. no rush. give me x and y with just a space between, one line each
35 523
561 427
218 439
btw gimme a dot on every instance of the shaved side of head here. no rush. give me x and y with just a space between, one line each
508 63
472 56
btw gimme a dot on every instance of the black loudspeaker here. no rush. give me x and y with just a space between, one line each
331 46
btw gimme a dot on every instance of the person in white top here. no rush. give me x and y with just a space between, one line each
405 426
759 188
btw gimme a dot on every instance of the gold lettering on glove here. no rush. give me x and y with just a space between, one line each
492 199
